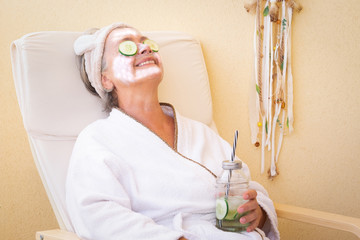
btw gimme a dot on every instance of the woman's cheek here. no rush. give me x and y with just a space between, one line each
123 69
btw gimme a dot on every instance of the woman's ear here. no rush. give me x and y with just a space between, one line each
106 83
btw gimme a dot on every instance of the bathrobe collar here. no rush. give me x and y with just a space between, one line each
169 110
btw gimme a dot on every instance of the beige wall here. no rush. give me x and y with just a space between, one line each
319 164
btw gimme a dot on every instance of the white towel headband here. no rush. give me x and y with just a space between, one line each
92 47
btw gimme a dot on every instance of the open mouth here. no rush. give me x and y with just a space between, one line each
145 63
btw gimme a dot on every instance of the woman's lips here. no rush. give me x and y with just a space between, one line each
145 63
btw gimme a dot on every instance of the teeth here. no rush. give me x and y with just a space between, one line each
147 62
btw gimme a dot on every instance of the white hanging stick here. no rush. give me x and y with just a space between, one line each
254 104
265 64
263 147
290 117
259 63
273 166
270 80
280 137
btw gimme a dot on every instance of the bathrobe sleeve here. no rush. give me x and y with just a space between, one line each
271 223
98 202
200 134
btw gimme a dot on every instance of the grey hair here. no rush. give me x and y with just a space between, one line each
110 100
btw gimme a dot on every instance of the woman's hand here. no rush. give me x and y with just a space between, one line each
256 215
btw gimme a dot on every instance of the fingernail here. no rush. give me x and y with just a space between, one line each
246 196
242 220
240 210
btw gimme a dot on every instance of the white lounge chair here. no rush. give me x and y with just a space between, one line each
56 106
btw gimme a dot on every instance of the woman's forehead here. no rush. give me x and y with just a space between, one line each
124 33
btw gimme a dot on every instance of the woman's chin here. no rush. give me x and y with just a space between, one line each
149 73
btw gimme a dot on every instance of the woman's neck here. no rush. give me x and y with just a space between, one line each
147 110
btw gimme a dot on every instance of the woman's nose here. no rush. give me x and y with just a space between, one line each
144 49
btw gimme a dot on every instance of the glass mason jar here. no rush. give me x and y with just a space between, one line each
230 187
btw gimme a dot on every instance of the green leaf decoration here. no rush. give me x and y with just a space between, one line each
266 127
287 122
257 89
281 66
284 24
266 11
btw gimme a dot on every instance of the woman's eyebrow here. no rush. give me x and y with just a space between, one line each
142 38
126 38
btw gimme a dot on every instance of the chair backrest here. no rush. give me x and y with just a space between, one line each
56 106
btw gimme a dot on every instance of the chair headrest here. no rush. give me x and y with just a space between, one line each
54 101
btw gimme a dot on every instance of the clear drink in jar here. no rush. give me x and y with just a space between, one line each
231 219
230 187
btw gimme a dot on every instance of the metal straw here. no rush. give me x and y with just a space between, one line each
232 160
234 146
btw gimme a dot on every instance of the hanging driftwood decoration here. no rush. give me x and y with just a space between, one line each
271 98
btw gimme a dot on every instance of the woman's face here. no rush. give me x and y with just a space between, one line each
145 65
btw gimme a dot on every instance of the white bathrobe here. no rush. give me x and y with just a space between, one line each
125 182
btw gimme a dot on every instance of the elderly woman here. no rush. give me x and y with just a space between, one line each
146 172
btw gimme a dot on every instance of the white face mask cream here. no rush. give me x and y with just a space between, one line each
123 69
135 57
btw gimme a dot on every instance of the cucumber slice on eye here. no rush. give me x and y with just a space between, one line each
128 48
152 44
222 208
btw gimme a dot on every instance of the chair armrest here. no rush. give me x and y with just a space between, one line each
56 234
320 218
290 212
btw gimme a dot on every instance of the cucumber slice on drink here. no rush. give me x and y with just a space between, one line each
221 208
128 48
232 215
152 44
